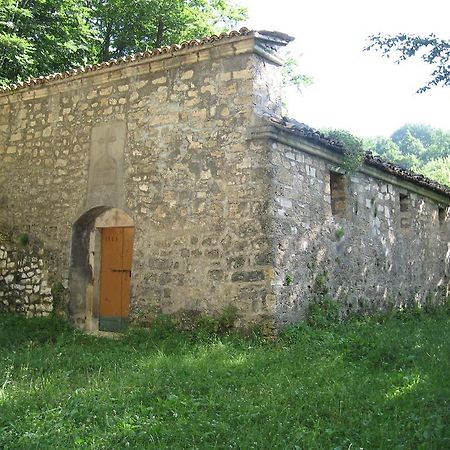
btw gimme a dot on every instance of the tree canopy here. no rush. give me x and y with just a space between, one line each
127 26
431 49
42 36
417 147
38 37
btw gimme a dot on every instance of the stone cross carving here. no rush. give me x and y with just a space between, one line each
105 168
108 138
106 156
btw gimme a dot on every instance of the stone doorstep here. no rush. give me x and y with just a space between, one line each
105 334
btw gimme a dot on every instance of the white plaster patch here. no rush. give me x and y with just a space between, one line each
290 155
284 202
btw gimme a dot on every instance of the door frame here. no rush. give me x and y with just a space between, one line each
84 273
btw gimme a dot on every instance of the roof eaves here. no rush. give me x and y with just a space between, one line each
312 135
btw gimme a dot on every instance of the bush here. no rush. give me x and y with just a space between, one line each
353 148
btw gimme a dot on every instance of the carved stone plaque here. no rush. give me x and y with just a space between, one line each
105 186
105 170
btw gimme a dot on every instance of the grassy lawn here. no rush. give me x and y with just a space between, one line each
372 384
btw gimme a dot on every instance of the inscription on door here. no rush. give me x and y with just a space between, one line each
115 277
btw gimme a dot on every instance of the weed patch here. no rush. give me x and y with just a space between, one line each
322 312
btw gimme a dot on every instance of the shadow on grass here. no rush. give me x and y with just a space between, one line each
363 384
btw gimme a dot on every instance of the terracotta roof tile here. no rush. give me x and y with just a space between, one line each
315 136
168 49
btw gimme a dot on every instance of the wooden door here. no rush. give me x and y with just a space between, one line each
115 277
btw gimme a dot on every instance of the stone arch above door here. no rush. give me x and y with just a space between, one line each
113 217
84 277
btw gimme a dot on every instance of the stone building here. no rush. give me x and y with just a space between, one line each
168 182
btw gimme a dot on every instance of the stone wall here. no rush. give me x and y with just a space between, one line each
221 215
352 239
24 285
165 141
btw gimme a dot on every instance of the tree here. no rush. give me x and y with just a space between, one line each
389 150
423 141
430 49
38 37
129 26
293 77
418 147
438 169
421 132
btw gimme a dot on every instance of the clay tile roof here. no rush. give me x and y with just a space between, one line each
124 60
316 137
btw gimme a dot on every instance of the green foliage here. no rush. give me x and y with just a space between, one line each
293 77
390 151
224 323
17 331
417 147
288 280
431 49
353 147
423 141
363 384
58 291
228 317
162 326
23 239
322 312
38 37
438 169
339 233
320 286
125 27
207 325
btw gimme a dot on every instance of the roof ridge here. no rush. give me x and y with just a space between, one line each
33 81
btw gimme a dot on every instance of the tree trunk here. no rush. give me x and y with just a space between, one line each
105 55
159 34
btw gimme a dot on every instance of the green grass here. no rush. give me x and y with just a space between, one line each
370 383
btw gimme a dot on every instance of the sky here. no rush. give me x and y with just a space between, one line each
359 91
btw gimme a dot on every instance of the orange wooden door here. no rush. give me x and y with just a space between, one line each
115 277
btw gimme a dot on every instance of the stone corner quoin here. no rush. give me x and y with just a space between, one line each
166 183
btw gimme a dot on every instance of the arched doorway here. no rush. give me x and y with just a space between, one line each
100 269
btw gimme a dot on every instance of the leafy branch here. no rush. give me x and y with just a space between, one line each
431 49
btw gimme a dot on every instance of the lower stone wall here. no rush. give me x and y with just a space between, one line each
24 285
368 244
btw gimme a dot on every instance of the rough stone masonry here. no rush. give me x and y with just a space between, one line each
230 203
